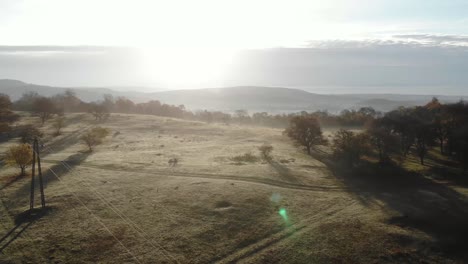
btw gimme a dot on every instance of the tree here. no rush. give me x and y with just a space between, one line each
458 133
94 137
59 123
124 105
457 116
306 131
400 121
44 108
27 133
382 139
7 117
109 102
242 116
99 111
461 146
68 101
19 156
350 146
423 130
26 102
265 152
368 112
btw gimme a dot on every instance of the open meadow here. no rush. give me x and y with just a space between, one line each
163 190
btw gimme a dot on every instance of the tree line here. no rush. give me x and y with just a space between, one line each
46 107
394 134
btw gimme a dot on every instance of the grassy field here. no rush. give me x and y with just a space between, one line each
124 203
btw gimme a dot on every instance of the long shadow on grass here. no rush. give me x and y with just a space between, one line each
69 139
421 203
55 172
283 171
62 143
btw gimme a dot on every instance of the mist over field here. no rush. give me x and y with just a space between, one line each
233 131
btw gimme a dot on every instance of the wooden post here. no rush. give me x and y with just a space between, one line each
37 158
33 172
41 184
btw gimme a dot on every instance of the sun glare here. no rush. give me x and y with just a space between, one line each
186 68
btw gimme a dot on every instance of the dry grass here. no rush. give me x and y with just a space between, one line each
206 209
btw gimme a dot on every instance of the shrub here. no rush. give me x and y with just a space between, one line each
94 137
247 157
173 162
265 151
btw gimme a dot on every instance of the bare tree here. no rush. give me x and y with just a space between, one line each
27 133
59 123
99 111
44 108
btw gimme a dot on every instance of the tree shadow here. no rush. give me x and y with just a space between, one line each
61 143
454 176
419 202
56 171
9 180
283 171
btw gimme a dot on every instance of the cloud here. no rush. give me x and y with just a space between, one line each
406 40
54 50
365 65
69 66
428 39
401 64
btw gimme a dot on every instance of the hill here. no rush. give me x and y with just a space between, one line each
252 98
15 89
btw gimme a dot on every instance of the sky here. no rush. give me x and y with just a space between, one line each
333 46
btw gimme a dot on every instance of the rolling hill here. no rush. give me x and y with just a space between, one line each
15 89
252 98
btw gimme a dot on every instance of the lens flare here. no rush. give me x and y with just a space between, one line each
283 214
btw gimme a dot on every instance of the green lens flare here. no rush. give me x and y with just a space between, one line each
283 213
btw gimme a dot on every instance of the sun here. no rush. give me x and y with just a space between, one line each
187 67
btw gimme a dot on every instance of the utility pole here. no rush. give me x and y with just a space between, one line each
36 157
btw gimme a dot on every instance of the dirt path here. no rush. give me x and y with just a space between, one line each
250 179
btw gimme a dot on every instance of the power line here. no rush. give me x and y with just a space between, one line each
71 170
125 218
97 218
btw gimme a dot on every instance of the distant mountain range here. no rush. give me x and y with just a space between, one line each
252 98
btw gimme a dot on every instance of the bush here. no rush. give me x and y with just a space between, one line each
265 151
247 157
173 162
94 137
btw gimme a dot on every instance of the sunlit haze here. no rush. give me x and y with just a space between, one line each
209 43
